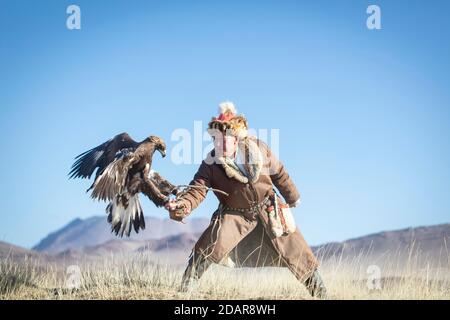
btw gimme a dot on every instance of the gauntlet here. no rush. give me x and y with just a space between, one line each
178 210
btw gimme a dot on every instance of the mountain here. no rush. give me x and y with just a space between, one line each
170 250
95 231
13 252
170 242
417 248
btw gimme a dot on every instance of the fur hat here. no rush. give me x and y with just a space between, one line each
228 121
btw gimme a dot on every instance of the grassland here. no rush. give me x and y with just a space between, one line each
136 277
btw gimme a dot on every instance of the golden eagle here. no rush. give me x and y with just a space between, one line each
123 171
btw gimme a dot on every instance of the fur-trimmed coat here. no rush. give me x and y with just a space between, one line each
245 239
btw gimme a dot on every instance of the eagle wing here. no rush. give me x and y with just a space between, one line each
101 156
157 189
113 180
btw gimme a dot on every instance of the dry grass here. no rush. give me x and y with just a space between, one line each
136 277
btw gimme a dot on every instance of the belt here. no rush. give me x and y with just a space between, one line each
252 209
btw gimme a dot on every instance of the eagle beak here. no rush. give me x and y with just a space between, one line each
163 152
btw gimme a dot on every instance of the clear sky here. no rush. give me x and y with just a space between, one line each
364 115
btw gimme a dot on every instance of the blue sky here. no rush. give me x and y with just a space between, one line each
364 115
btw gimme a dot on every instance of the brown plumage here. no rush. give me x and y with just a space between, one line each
123 171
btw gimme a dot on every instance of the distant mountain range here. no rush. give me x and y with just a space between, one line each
170 242
8 250
95 231
415 248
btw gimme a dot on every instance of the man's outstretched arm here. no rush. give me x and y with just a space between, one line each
190 199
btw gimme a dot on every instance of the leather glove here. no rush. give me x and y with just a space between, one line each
177 210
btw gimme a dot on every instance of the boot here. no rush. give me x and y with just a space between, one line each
197 266
315 286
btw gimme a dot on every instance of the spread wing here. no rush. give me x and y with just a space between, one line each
113 180
101 156
122 170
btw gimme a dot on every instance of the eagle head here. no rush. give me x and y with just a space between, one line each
159 143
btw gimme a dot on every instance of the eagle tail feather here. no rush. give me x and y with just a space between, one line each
123 217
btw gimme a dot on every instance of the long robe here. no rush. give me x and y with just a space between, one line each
246 237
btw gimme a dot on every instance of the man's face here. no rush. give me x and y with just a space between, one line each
225 145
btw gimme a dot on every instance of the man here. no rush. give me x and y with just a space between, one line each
242 171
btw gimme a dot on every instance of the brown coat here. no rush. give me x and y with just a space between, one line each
246 237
